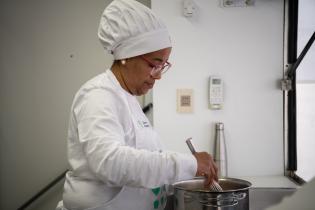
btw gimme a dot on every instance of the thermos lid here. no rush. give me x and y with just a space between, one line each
219 126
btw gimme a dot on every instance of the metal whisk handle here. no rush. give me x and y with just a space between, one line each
214 186
190 146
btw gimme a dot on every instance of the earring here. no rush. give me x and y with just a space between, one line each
123 62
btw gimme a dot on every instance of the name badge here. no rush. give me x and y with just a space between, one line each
144 124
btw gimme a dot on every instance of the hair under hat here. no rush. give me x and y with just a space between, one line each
128 29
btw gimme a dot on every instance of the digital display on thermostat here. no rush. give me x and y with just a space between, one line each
216 81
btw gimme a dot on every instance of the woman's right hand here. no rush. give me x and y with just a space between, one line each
206 167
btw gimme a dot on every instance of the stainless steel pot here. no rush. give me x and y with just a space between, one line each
191 195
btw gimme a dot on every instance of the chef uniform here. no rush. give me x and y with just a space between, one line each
116 159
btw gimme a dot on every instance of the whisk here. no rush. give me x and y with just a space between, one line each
215 185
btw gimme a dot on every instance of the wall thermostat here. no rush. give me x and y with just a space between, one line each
215 92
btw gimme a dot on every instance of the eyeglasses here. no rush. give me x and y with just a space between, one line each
157 69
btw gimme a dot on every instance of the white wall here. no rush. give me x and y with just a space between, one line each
245 47
305 129
306 28
305 96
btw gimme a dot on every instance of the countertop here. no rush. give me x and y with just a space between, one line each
269 181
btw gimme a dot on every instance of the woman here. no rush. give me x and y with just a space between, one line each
116 159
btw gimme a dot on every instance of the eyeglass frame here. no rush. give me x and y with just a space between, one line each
157 69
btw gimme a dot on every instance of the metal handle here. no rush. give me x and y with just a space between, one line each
223 202
190 146
219 202
240 196
188 197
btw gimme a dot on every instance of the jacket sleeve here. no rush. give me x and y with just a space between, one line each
102 137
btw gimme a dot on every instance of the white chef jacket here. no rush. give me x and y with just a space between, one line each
115 157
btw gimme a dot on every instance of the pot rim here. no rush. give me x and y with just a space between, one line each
240 181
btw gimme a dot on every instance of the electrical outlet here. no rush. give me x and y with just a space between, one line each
184 100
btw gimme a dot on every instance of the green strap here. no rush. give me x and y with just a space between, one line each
156 191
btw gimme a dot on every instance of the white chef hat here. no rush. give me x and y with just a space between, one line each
128 28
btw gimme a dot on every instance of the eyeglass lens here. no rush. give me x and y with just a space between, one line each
160 69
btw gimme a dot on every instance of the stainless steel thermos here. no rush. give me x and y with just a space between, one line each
220 156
